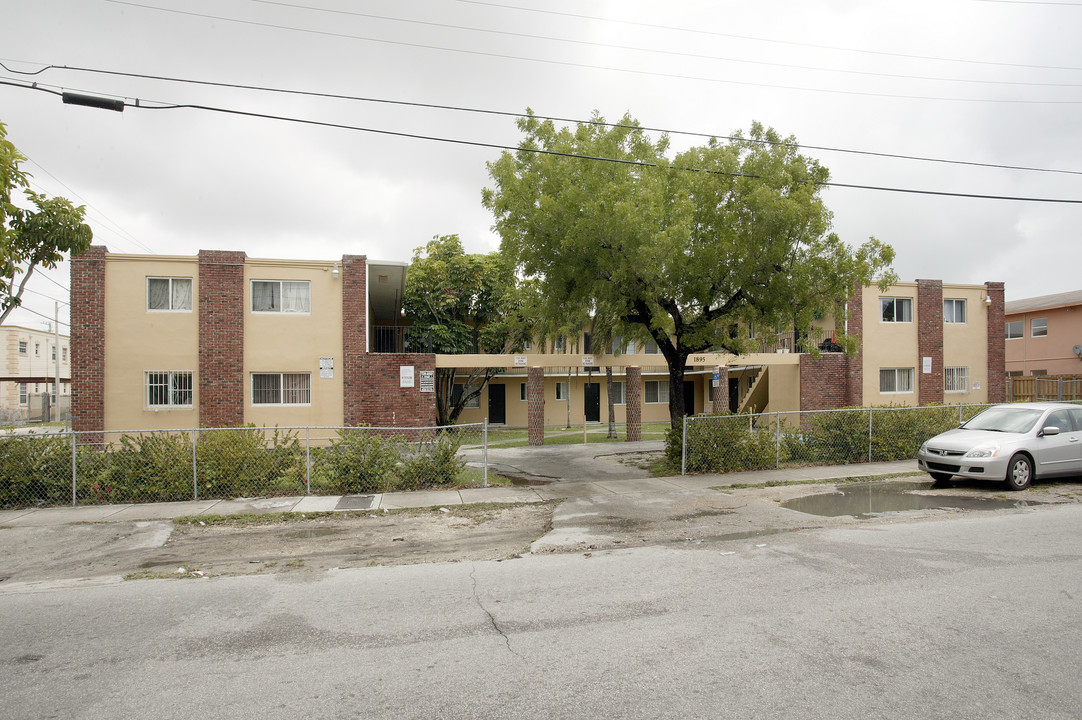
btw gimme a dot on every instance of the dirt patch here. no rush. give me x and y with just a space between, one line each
335 541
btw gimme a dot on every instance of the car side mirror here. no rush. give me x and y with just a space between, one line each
1050 430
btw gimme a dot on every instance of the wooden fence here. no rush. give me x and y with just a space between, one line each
1044 387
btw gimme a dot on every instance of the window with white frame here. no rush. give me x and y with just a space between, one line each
561 391
169 294
63 354
898 310
23 347
1038 327
37 349
169 389
459 390
656 391
896 380
53 358
1015 329
650 348
281 388
618 392
956 379
954 311
558 344
23 395
281 296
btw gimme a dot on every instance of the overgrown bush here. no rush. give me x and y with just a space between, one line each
432 463
145 468
730 444
35 470
246 462
356 462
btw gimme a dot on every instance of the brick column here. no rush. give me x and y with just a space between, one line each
354 335
997 351
929 341
721 391
633 402
221 338
535 401
88 342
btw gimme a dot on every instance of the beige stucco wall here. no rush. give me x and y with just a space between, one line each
966 344
40 364
140 341
1052 353
294 342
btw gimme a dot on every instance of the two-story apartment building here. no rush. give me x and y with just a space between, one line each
1044 335
32 361
221 339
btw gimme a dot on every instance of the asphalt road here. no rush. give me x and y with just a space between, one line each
953 615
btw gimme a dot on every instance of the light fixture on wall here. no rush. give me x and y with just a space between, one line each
987 299
1077 350
334 271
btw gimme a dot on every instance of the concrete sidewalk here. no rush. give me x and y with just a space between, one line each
41 517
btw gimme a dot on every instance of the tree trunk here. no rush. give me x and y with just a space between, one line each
612 408
676 394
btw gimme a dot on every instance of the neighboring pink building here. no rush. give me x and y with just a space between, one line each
1044 335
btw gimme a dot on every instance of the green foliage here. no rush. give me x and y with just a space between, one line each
731 443
35 468
32 238
358 461
434 462
246 462
679 250
145 468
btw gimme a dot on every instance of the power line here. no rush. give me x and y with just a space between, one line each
511 148
35 312
673 53
502 113
48 297
771 40
564 63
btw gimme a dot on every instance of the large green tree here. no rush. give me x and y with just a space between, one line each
683 250
472 303
31 237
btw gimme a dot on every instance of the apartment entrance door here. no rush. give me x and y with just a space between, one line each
497 404
591 398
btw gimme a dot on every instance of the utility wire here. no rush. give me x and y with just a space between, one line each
563 63
673 53
538 151
35 312
711 33
503 113
48 297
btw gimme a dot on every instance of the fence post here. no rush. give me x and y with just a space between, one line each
777 440
308 460
484 453
74 472
684 449
195 471
1061 388
870 411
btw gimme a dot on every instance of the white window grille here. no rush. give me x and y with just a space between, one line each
956 379
169 389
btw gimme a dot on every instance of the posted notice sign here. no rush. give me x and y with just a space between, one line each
405 376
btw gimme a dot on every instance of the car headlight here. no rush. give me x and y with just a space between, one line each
984 451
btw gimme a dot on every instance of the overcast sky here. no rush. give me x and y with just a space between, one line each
979 83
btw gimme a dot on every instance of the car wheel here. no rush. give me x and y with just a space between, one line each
1019 472
941 477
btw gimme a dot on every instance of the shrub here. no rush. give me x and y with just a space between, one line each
729 444
434 462
246 462
356 462
35 470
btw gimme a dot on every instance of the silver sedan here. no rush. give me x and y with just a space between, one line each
1015 443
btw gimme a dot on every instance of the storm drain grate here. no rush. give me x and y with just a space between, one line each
355 502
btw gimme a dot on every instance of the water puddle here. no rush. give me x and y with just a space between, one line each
869 499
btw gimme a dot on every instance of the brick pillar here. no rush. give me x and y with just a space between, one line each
535 400
855 369
354 335
721 391
221 338
88 342
997 352
929 341
633 402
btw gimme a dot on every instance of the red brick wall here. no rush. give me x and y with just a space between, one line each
855 327
221 338
354 339
88 341
997 357
633 402
380 400
929 341
535 400
824 381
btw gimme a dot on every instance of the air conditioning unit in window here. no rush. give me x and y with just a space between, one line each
1077 350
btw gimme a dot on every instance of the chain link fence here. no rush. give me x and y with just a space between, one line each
68 468
731 443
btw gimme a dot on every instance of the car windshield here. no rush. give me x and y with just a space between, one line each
1012 420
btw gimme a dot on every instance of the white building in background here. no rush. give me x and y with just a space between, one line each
32 359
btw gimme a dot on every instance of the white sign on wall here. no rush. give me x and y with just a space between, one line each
428 381
521 361
927 365
405 376
326 367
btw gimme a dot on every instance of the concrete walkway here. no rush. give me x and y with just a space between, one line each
597 480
